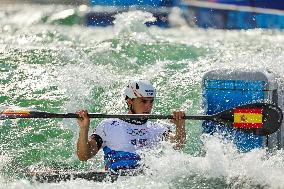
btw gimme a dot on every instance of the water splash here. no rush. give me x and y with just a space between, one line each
222 165
131 25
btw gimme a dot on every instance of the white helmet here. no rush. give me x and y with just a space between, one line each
141 88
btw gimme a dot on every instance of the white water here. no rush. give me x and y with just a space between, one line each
177 170
219 164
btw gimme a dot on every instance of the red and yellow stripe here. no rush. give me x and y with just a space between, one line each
16 112
249 118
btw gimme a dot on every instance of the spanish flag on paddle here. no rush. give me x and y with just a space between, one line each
248 118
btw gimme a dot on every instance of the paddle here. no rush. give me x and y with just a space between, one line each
258 118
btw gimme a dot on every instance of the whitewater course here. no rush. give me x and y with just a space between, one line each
55 67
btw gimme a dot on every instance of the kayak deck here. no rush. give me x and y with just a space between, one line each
67 176
50 176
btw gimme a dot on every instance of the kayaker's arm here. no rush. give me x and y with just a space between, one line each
179 137
86 148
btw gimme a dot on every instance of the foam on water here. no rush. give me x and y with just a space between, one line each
221 161
222 165
63 68
131 25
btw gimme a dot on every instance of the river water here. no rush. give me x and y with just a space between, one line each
60 66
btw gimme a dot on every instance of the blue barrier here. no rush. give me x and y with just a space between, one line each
104 19
269 21
234 14
154 3
272 4
105 14
240 20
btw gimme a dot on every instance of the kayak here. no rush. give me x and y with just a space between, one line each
95 176
51 176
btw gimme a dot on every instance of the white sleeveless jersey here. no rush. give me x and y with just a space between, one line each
119 135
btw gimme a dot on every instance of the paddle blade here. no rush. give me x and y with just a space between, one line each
258 118
14 112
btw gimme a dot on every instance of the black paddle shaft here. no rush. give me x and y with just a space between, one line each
37 114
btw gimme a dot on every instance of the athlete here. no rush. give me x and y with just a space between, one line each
121 139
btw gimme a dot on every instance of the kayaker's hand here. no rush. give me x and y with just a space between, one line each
83 120
178 118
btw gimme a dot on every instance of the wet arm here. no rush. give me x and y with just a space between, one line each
86 148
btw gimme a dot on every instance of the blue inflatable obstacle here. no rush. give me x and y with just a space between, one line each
104 11
224 89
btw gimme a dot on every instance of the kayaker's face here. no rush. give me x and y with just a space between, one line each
142 105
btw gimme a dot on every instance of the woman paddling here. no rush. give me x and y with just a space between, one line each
121 139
